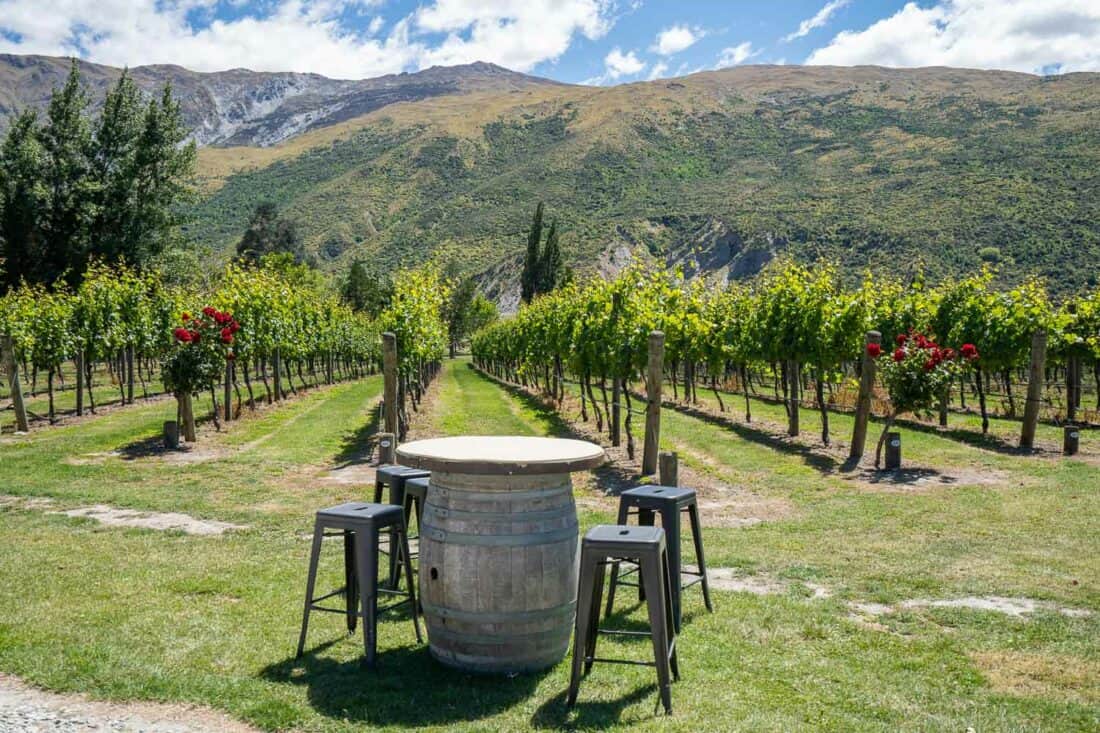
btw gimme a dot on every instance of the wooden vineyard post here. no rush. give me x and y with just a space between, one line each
187 417
654 375
8 360
228 394
794 384
1034 388
387 444
130 375
863 402
78 361
277 376
670 469
389 382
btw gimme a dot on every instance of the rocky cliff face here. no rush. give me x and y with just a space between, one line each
242 107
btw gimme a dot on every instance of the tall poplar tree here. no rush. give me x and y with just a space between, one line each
114 169
21 198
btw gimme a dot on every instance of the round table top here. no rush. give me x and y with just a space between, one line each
501 455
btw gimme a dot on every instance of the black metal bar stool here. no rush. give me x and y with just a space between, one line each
395 477
608 545
669 502
359 523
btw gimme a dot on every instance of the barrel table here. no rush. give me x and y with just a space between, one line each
498 548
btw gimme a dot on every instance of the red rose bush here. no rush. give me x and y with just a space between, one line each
203 344
916 373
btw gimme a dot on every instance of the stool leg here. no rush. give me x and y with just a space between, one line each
397 496
411 583
645 519
657 605
624 512
670 520
697 536
351 583
585 588
366 546
674 659
594 618
611 588
311 581
378 491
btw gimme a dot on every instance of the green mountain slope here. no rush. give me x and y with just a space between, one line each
719 171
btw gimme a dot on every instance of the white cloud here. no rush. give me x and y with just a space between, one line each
659 70
302 35
1037 36
618 64
676 39
820 18
735 55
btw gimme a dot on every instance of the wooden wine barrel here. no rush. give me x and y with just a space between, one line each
498 549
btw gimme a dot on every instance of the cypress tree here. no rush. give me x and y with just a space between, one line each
551 268
528 281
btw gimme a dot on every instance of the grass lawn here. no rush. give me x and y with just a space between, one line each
142 614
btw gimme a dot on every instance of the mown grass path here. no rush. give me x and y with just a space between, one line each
138 614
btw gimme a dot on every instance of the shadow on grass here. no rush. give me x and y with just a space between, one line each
554 714
782 444
408 688
612 480
358 447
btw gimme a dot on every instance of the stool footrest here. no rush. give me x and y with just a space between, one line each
623 632
635 662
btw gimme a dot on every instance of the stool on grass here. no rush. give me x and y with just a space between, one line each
395 477
360 523
670 502
608 545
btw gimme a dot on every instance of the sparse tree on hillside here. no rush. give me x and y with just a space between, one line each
270 233
543 269
366 289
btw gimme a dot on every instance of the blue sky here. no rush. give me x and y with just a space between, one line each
580 41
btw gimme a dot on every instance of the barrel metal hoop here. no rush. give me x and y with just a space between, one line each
526 539
517 516
511 617
441 492
442 632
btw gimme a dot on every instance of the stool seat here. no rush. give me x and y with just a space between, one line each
362 511
626 538
655 493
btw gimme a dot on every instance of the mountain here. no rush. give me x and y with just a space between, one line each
717 172
242 107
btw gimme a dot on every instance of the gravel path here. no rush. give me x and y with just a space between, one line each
24 709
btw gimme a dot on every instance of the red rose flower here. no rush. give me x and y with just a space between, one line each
929 365
874 351
186 316
937 354
234 327
227 336
969 352
208 312
195 336
182 335
899 354
222 318
949 353
901 339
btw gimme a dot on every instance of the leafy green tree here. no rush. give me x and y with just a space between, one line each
367 289
69 201
21 197
270 233
528 280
